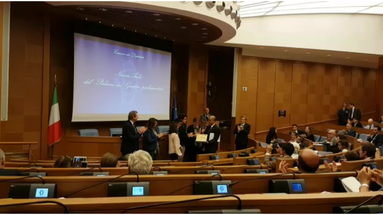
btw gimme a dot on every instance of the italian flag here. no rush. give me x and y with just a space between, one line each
54 130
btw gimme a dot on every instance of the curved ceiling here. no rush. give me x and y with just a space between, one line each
270 8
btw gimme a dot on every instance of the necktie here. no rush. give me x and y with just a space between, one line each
135 128
352 114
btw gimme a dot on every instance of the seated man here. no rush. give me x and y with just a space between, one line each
140 162
348 131
357 124
331 142
367 152
308 162
109 160
376 138
284 150
294 128
370 124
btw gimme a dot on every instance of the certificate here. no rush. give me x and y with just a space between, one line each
201 138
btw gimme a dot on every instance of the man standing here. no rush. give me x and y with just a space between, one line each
130 134
241 131
343 115
376 138
206 115
213 132
294 128
354 112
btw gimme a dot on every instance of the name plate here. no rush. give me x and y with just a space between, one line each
201 138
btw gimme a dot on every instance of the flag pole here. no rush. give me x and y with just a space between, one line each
51 148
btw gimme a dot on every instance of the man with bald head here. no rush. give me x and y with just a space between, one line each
370 124
308 161
213 132
331 143
349 131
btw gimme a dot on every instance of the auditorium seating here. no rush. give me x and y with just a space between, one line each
203 157
88 133
363 137
115 132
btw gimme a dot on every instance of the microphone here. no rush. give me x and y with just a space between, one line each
21 178
266 177
380 202
91 168
102 182
185 170
186 201
40 202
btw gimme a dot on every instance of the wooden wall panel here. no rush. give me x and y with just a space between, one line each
357 87
314 92
379 89
299 93
247 100
265 95
369 100
344 85
282 99
330 93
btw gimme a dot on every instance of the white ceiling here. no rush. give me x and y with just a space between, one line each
269 8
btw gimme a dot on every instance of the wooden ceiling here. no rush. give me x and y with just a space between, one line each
152 23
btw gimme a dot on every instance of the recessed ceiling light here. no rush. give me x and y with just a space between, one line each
135 30
155 35
102 9
80 8
183 27
86 18
99 22
205 33
158 20
164 37
112 25
128 11
307 52
145 33
204 29
348 57
124 28
261 47
156 14
286 50
328 55
174 40
195 24
178 19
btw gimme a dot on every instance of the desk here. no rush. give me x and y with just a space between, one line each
28 144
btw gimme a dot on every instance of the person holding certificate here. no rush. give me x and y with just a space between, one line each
213 132
191 148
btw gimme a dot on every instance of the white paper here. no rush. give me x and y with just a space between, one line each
351 184
211 136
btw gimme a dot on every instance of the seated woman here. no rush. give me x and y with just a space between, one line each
140 162
175 148
308 133
272 135
63 162
344 147
109 160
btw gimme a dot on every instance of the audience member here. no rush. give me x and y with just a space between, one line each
205 116
130 134
140 162
272 135
367 152
302 142
370 124
241 131
175 148
151 138
351 156
349 131
364 177
354 112
213 132
376 138
343 146
294 128
309 134
357 124
331 142
191 148
2 159
308 162
284 150
109 160
343 115
63 162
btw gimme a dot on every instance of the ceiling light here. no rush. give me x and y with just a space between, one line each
164 37
210 4
174 40
102 9
178 19
228 10
198 2
99 22
238 24
155 35
158 20
328 55
237 18
286 50
183 27
220 7
195 24
135 30
145 33
204 29
80 8
128 11
124 28
112 25
156 14
86 18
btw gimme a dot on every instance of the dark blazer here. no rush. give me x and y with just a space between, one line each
358 125
310 137
183 135
342 116
269 138
205 118
299 132
150 140
357 114
351 133
130 138
377 141
242 136
212 145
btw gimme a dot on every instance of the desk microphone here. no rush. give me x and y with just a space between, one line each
380 202
21 178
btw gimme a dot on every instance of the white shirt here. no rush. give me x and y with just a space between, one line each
174 144
369 126
344 150
352 113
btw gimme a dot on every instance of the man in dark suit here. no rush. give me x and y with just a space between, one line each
213 132
357 124
242 131
206 115
348 131
294 128
354 112
130 134
376 138
182 131
343 115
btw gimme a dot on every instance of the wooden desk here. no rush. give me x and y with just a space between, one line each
204 157
28 144
276 203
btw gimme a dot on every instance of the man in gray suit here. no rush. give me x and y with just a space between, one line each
206 115
331 143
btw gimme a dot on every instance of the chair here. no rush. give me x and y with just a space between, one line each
363 137
263 145
340 132
163 128
115 132
88 133
322 139
316 138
